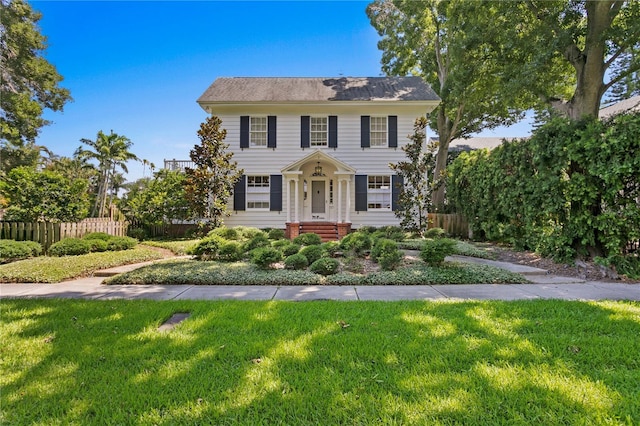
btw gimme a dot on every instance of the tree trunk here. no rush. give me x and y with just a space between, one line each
444 138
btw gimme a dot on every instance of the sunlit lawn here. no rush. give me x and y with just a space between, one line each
525 362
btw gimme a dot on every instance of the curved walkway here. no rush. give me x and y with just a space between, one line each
543 286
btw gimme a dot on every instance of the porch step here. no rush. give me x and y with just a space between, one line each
328 231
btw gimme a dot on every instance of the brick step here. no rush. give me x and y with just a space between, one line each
326 230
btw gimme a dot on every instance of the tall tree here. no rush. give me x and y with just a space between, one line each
29 83
444 42
209 185
112 152
599 40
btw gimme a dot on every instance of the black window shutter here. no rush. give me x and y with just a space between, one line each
361 193
275 196
393 131
364 132
397 183
244 131
333 131
271 131
304 132
239 191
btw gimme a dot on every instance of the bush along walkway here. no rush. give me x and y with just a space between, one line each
542 286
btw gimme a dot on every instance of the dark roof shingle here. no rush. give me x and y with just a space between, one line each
302 89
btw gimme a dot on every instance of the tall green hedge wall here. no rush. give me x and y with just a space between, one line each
572 189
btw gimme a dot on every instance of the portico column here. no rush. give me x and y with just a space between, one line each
348 213
287 196
339 212
296 198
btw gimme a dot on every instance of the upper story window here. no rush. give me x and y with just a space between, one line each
379 192
258 131
378 131
258 192
318 131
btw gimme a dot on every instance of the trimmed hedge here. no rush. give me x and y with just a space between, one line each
11 250
70 247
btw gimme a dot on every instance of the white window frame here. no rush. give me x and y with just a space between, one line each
379 192
378 132
258 131
258 192
318 132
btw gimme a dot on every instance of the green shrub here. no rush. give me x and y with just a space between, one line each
97 245
434 251
97 236
435 233
230 251
259 240
312 253
276 234
70 247
14 250
382 245
395 233
353 264
248 232
121 243
308 239
138 233
279 244
387 254
368 229
296 261
330 247
357 242
290 249
208 247
391 260
264 257
226 233
325 266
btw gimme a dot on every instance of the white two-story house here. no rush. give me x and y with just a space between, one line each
316 151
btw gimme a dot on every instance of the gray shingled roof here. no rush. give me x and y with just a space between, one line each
300 89
631 104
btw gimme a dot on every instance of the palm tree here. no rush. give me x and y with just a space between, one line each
111 151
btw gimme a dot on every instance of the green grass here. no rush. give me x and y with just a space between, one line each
178 247
55 269
242 273
490 363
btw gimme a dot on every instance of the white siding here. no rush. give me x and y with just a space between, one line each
366 161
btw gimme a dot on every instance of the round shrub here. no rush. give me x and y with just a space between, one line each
358 242
264 257
330 247
290 249
381 246
435 233
279 244
325 266
259 240
97 236
296 261
230 251
390 260
395 233
308 239
226 233
312 253
70 247
434 251
276 234
121 243
248 232
97 245
207 248
368 229
15 250
138 233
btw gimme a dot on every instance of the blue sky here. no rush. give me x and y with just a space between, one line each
137 68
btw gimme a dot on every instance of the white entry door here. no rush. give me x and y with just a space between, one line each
318 200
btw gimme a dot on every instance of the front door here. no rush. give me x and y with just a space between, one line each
317 199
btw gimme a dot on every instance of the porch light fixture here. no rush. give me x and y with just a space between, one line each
317 171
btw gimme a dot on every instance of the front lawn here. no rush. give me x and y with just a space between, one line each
243 273
525 362
47 269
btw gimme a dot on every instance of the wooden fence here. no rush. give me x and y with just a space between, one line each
47 233
455 224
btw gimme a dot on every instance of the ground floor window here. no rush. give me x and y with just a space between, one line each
379 192
257 192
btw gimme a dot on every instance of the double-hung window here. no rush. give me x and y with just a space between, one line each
378 131
258 131
257 192
379 192
318 131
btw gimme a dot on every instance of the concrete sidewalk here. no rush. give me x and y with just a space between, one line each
543 286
